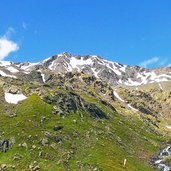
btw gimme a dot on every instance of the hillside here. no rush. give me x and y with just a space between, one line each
83 113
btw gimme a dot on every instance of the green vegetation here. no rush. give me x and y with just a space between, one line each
87 143
77 140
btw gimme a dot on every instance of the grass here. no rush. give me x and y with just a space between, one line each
87 143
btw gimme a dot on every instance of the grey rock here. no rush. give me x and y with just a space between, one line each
4 145
58 139
45 142
96 112
57 128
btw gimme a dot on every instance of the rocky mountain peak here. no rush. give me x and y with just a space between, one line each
112 72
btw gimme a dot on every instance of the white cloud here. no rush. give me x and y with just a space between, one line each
7 46
149 61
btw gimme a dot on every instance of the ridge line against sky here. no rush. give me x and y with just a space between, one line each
132 33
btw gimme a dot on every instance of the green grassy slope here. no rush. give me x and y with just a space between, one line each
84 143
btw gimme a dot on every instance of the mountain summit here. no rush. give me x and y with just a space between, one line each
111 72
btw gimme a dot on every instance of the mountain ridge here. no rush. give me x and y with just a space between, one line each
112 72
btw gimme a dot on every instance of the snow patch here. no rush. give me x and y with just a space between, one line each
95 72
160 86
12 69
111 66
94 56
29 66
123 68
14 98
118 97
60 55
168 126
148 77
47 59
5 63
43 77
68 67
117 72
51 66
7 75
132 107
120 81
26 72
76 62
130 82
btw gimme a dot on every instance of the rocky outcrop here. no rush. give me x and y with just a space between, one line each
33 76
95 112
64 104
4 145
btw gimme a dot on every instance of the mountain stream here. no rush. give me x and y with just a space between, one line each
159 161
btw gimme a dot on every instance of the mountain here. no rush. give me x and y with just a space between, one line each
111 72
72 112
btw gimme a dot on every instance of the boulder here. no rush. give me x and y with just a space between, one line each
95 112
58 139
45 141
4 145
57 128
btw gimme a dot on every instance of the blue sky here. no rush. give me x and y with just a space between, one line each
133 32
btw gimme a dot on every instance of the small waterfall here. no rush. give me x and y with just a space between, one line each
159 160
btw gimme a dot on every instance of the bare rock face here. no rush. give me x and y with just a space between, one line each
33 76
95 112
65 104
